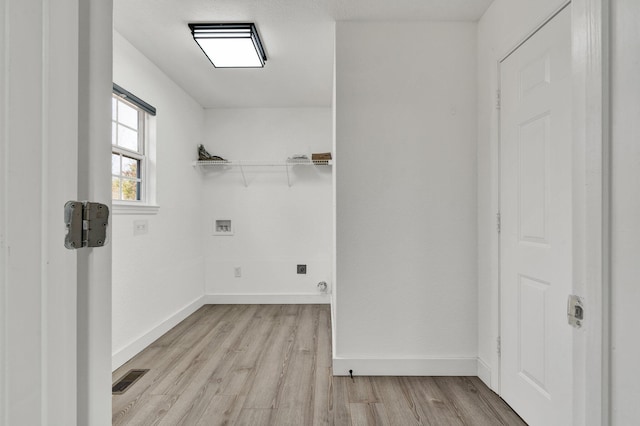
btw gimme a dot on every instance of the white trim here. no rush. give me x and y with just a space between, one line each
484 372
132 349
4 108
334 211
591 139
266 299
457 366
333 321
94 184
121 208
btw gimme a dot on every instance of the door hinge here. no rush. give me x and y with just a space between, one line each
499 346
498 222
498 99
86 224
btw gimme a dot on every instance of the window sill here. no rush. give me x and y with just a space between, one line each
126 208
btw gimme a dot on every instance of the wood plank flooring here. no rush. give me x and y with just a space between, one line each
271 365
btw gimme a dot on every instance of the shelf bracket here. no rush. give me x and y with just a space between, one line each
244 178
288 177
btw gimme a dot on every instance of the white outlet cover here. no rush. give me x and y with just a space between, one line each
222 227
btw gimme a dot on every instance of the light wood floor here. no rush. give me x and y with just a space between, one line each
271 365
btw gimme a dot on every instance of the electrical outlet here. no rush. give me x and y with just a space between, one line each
302 269
237 272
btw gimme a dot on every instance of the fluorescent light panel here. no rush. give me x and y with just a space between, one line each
230 45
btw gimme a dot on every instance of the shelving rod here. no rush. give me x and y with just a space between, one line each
288 177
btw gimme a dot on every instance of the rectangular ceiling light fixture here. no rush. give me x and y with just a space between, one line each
230 45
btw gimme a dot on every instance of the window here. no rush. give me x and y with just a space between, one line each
127 156
131 152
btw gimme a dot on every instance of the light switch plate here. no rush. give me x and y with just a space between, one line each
140 227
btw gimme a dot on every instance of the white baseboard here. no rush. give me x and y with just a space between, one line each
406 367
266 299
135 347
484 372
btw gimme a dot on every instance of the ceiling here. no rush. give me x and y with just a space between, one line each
298 36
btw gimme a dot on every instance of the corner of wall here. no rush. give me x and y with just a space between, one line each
484 372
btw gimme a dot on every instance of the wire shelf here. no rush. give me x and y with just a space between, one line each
263 163
241 164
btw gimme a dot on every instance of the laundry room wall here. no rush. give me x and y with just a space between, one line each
278 222
158 277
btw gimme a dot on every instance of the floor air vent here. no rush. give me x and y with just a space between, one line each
126 381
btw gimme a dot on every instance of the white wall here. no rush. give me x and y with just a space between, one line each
503 25
159 274
625 215
406 198
275 226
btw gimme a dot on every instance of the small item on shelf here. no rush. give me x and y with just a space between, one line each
203 155
321 157
299 157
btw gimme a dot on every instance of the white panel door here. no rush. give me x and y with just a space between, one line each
535 240
39 139
52 311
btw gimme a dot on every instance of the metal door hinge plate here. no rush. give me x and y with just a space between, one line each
86 223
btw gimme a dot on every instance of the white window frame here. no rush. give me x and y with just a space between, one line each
146 155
